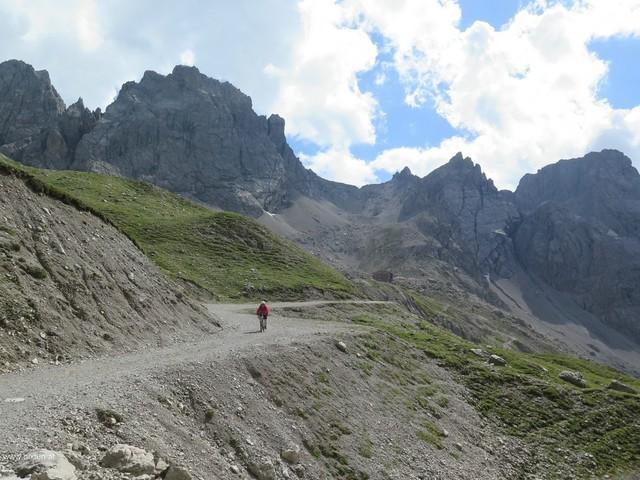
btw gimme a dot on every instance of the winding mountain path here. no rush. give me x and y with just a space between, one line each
29 397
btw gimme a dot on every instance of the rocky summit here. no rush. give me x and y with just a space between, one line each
560 253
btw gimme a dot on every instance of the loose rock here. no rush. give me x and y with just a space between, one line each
291 454
341 346
621 387
574 378
46 465
177 473
263 469
128 459
497 360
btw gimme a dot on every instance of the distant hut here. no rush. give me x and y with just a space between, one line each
383 276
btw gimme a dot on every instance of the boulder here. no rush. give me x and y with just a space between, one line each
621 387
497 360
575 378
76 460
479 352
341 346
263 469
128 459
177 473
291 454
46 465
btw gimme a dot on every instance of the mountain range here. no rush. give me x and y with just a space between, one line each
560 253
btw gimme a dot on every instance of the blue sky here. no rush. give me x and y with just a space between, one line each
400 125
621 86
370 86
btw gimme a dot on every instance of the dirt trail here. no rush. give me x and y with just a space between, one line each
40 391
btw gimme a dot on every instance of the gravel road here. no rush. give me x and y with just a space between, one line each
32 398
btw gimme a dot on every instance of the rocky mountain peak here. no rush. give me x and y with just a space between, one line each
459 172
403 175
596 177
28 101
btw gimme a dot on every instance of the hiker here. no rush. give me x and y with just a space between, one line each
263 313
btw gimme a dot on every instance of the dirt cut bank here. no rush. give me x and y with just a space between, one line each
73 286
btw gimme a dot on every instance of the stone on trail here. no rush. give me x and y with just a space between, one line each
575 378
14 400
46 465
341 346
128 459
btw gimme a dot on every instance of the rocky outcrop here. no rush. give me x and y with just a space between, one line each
580 233
464 211
193 135
35 126
574 378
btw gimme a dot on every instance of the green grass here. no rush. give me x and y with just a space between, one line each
227 254
431 434
528 400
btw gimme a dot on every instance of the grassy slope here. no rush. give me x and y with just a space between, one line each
528 399
227 254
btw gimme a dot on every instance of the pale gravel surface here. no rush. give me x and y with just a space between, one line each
88 382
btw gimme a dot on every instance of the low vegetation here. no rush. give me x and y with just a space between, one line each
598 426
226 254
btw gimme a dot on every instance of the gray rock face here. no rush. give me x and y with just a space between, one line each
193 135
580 233
458 205
35 126
29 101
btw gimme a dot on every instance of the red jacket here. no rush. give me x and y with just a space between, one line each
263 310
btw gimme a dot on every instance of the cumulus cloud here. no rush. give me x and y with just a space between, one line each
319 93
527 94
341 166
91 47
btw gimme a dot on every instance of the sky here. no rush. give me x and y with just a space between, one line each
368 87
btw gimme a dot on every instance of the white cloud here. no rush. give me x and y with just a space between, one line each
187 57
527 94
318 92
341 166
91 47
